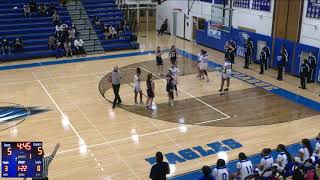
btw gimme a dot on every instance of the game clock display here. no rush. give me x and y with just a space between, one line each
21 159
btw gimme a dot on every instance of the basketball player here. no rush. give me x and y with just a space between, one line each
226 75
282 61
159 61
207 173
173 54
244 167
263 59
284 160
304 73
305 151
312 62
137 86
268 53
203 66
175 72
220 172
232 50
200 56
170 87
150 91
265 163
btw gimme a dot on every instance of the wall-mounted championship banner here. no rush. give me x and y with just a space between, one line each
313 9
262 5
213 30
221 2
241 3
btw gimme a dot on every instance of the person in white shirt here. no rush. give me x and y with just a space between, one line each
305 152
244 167
226 74
284 159
78 44
220 172
137 86
175 73
203 65
265 163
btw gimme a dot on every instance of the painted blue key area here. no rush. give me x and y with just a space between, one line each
231 165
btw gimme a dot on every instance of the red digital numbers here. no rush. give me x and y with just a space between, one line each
24 145
22 168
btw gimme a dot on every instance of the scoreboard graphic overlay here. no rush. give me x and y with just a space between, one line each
21 159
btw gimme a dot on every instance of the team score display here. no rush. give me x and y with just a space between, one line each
9 151
38 168
22 168
40 151
6 168
24 145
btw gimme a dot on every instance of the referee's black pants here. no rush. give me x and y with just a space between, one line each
280 71
303 79
246 61
262 64
117 99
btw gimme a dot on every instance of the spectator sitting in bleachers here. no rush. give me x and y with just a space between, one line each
52 8
43 9
26 10
71 33
119 29
112 32
97 21
17 45
55 18
51 43
67 48
58 30
33 7
125 26
63 2
78 44
207 173
59 49
5 46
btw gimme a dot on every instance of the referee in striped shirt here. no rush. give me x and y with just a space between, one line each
47 159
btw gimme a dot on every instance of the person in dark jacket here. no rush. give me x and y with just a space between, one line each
163 27
160 169
5 46
304 73
17 45
247 54
312 62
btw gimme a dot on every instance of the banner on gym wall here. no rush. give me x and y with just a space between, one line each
241 3
220 2
261 5
313 9
213 30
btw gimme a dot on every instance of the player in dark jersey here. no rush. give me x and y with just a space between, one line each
173 55
170 87
159 61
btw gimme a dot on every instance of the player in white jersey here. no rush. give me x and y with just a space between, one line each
220 172
284 160
266 162
305 152
226 74
244 167
200 56
175 73
137 86
203 65
317 146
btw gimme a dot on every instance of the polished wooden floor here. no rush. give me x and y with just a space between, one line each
98 142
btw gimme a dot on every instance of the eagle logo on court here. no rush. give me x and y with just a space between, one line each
14 114
243 36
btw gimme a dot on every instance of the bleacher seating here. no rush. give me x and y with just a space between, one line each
33 31
109 13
